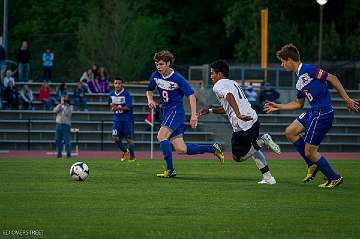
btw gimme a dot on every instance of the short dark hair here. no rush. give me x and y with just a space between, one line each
288 51
220 66
164 55
119 78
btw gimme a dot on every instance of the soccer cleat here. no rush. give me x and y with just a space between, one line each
167 174
268 181
311 173
332 183
269 142
218 153
125 156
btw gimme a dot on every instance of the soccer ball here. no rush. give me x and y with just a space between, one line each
79 171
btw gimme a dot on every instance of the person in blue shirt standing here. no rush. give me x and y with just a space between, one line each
121 105
48 61
315 122
172 87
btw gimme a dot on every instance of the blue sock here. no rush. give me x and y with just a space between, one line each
165 147
121 145
326 169
300 147
261 157
132 150
199 148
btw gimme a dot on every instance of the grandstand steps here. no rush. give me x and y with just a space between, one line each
96 124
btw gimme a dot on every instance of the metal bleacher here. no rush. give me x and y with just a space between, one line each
35 129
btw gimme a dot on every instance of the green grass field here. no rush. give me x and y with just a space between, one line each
126 200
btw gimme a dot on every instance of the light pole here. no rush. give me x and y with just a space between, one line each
321 3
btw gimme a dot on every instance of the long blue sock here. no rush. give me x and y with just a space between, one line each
121 145
132 150
326 169
261 157
199 148
165 147
300 147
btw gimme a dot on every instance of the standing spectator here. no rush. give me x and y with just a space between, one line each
61 91
79 97
11 96
45 96
26 97
48 61
63 126
103 80
8 78
24 62
2 60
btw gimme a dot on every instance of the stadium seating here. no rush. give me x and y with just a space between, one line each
35 129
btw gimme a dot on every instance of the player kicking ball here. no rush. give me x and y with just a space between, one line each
245 140
315 122
172 87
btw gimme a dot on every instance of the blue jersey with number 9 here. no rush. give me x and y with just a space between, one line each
171 89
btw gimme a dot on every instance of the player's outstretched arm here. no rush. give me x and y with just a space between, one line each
215 110
150 99
351 104
271 106
194 117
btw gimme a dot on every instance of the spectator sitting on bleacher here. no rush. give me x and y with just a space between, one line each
91 82
268 94
61 91
26 97
11 96
8 78
45 96
103 80
79 97
251 95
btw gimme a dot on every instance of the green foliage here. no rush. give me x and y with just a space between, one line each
122 35
116 37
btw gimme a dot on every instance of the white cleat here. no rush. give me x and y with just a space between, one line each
270 143
268 181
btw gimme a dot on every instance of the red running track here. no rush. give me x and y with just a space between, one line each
5 154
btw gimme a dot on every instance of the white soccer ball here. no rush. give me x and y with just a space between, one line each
79 171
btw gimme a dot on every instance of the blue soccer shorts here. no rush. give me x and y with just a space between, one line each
123 129
317 122
174 119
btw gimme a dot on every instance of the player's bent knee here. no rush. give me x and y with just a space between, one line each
288 133
181 150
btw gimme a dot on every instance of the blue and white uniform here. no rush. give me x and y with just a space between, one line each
123 120
172 89
317 121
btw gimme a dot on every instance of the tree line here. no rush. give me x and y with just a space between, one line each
123 35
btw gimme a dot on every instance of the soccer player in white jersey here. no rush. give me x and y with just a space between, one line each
316 122
245 140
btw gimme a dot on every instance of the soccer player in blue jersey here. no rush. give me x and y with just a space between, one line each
172 87
315 122
120 102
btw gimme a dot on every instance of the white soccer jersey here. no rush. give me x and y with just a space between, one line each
221 89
